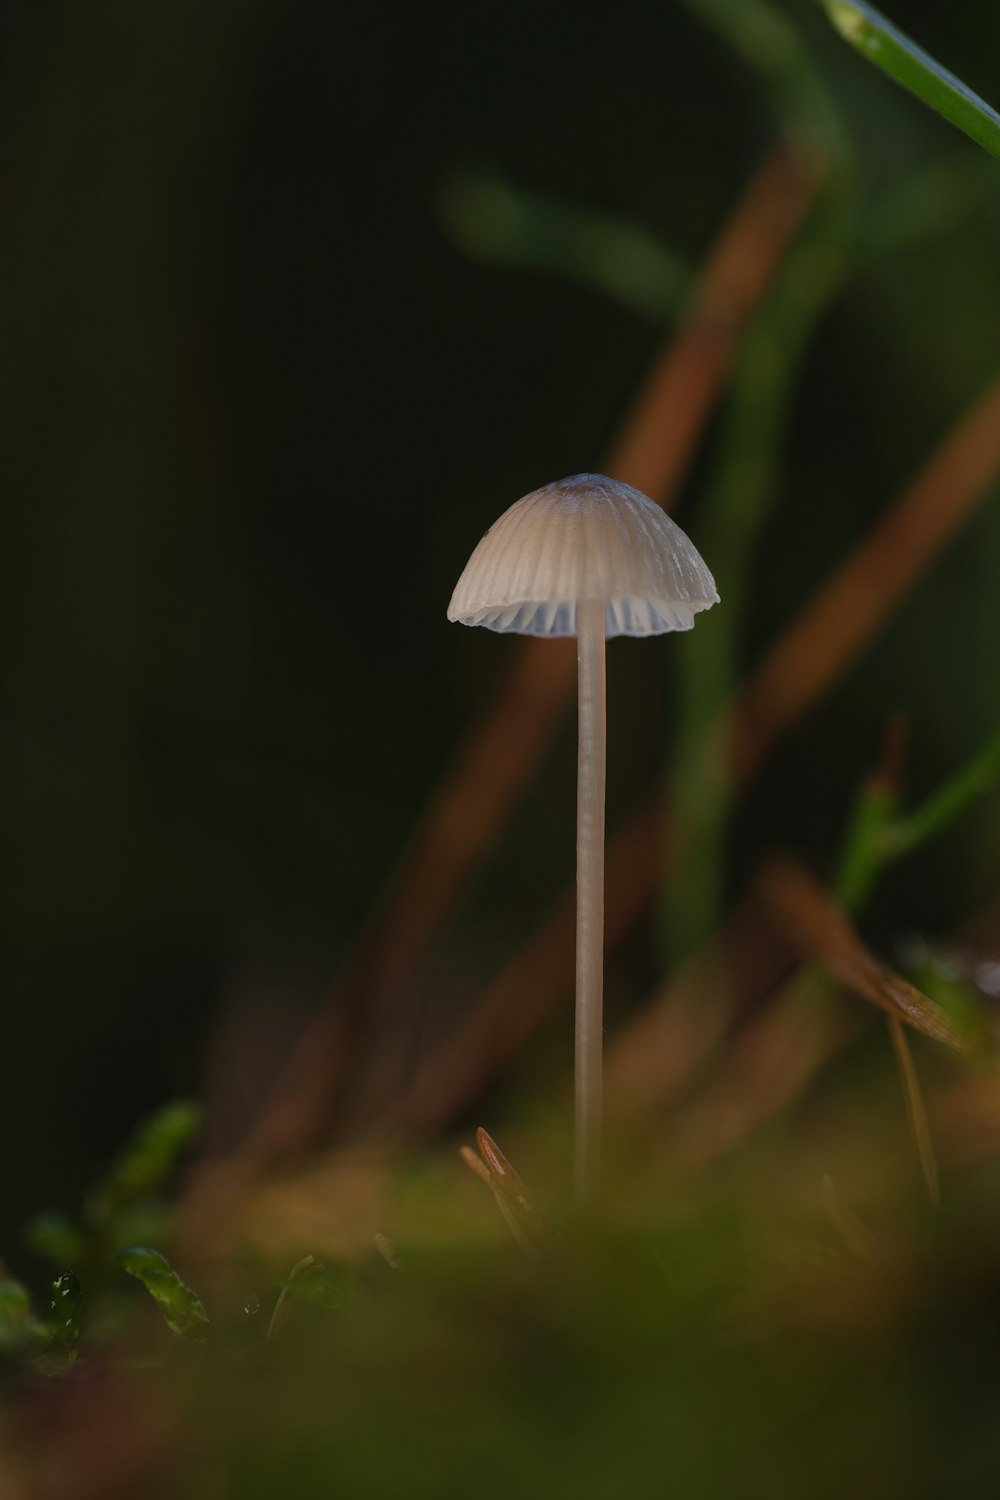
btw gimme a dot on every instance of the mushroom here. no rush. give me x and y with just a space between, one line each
591 557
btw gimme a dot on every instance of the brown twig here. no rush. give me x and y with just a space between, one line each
658 1052
773 1059
821 931
661 432
515 1202
847 612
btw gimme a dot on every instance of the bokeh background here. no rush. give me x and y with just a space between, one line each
296 299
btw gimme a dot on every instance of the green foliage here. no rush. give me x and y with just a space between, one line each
743 488
713 1339
56 1238
772 50
879 833
63 1321
331 1287
20 1331
180 1305
147 1160
123 1207
892 51
48 1346
937 199
945 806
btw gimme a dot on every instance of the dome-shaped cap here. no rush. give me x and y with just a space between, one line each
585 537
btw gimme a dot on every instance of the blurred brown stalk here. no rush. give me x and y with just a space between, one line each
821 931
848 610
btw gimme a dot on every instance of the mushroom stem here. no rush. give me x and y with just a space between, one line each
591 762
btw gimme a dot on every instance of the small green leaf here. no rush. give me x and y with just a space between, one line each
180 1305
150 1155
334 1288
64 1316
20 1331
892 50
56 1238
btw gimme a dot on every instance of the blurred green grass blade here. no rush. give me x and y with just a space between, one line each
180 1305
861 853
743 487
501 224
148 1158
891 50
770 48
938 199
975 779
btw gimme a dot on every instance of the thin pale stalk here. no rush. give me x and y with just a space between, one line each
591 763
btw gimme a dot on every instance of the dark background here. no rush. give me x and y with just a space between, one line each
258 405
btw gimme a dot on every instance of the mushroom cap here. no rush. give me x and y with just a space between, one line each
585 537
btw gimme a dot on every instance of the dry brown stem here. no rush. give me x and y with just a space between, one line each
848 610
821 931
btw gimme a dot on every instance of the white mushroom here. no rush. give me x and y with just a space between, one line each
590 557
